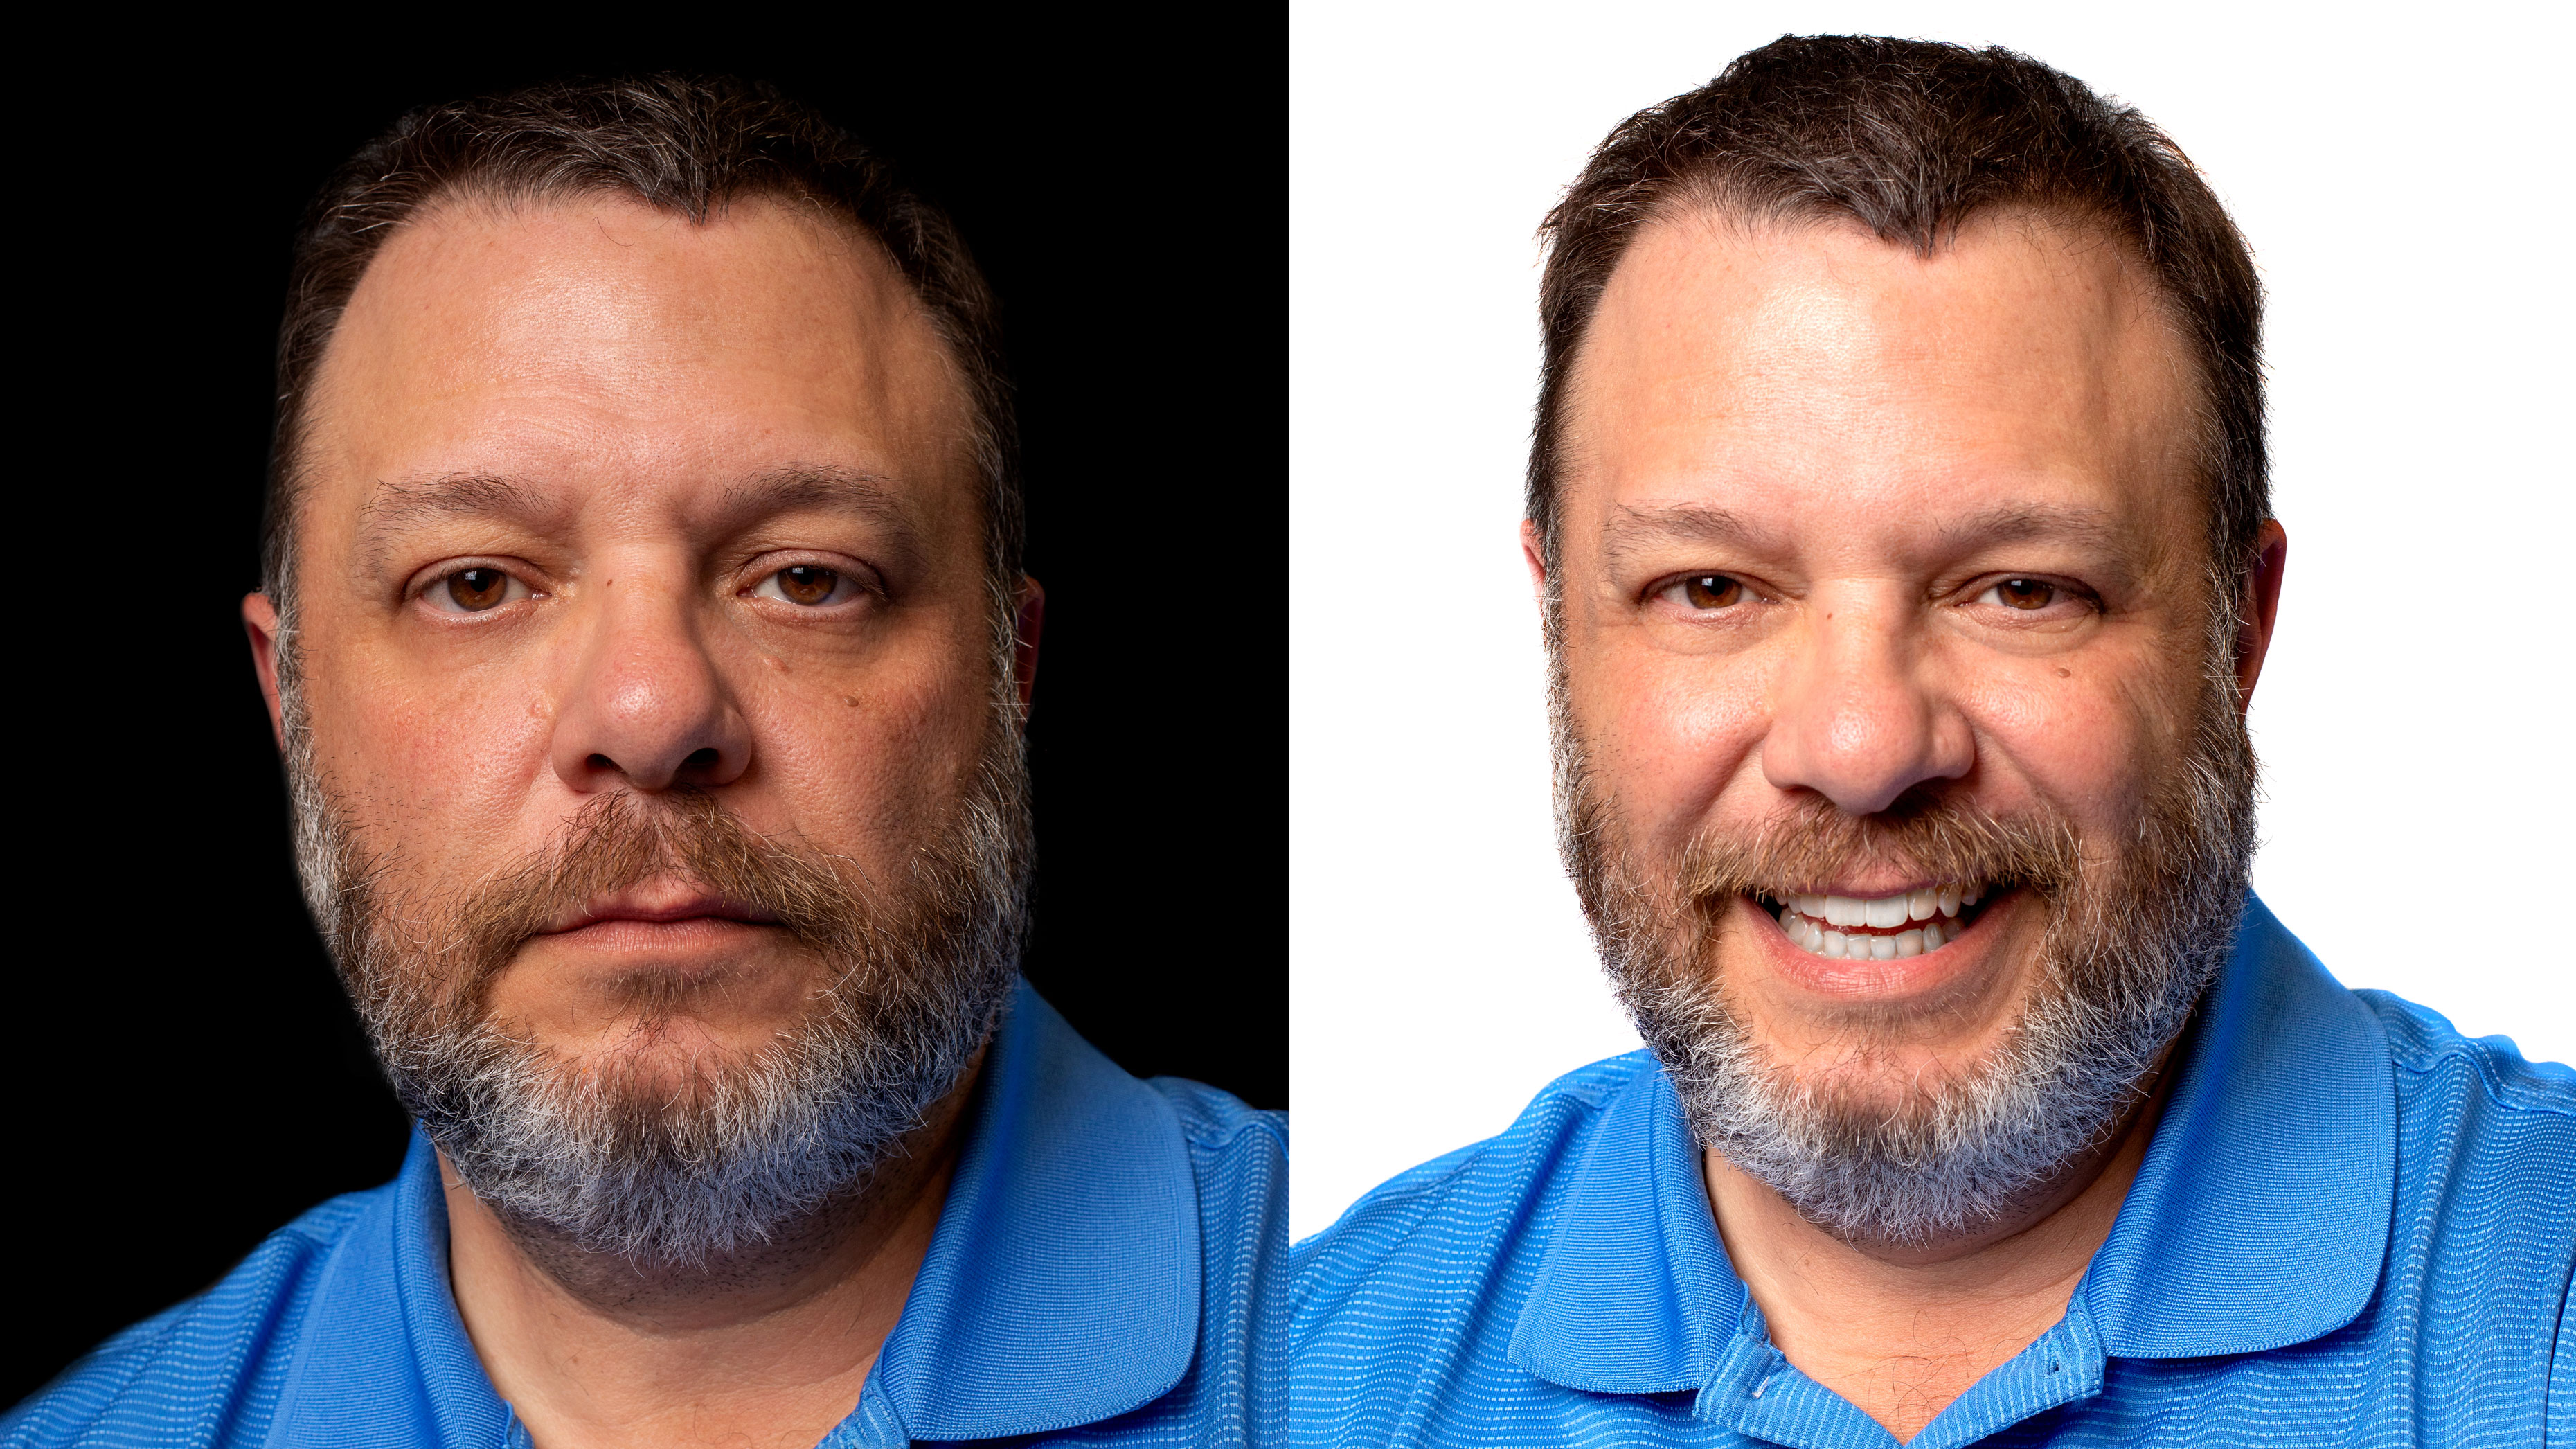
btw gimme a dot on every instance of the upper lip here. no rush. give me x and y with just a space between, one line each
1871 892
656 902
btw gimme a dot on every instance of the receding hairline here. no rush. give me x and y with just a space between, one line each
1719 210
476 198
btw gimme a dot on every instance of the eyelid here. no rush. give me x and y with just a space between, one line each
2069 591
767 566
424 585
1754 590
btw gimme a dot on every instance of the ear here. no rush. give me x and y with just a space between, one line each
1027 623
1534 558
2261 605
259 619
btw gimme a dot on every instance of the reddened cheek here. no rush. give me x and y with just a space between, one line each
2063 736
1672 732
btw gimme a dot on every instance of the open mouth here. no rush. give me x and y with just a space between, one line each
1877 928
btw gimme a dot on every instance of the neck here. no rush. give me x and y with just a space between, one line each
1901 1331
768 1347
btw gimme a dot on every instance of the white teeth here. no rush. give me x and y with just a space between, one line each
1809 922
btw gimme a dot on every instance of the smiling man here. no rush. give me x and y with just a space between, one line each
1899 522
644 629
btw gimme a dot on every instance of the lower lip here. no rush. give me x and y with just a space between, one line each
1903 976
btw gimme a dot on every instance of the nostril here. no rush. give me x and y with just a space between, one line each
601 762
700 759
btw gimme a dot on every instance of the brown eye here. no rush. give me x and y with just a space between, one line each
2025 594
1712 591
807 584
475 590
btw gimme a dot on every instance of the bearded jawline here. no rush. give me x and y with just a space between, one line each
2125 964
750 1144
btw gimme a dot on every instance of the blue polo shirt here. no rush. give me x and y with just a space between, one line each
2353 1226
1106 1271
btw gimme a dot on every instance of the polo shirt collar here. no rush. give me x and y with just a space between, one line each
381 1343
2261 1214
1061 1286
2259 1218
1635 1294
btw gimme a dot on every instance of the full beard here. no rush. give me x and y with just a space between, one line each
2129 943
676 1165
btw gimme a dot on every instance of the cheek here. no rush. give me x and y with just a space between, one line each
2090 743
1670 733
438 771
869 763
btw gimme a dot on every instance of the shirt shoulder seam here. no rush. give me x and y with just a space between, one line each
2424 1061
1260 1123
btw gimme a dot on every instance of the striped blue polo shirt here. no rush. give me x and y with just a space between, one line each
2353 1226
1106 1271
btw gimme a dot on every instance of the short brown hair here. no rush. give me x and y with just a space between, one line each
1911 138
682 144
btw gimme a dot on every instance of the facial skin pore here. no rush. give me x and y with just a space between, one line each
602 499
1841 521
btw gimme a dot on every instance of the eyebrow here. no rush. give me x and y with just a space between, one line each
1634 530
2074 523
394 508
801 486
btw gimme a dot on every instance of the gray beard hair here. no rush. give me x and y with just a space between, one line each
611 1157
2122 962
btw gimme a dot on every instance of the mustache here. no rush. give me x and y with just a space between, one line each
1812 842
620 841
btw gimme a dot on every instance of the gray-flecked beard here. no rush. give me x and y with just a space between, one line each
677 1165
2127 949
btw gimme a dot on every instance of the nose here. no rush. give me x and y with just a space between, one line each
1858 717
646 706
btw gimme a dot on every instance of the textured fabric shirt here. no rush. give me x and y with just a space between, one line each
2352 1227
1106 1270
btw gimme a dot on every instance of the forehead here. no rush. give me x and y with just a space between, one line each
597 343
2024 362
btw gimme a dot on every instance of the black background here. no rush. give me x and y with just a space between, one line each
185 1074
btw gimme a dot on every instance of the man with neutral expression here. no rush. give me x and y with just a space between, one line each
644 630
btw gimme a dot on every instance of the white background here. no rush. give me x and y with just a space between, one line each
2403 177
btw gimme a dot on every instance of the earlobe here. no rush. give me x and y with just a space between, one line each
259 620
